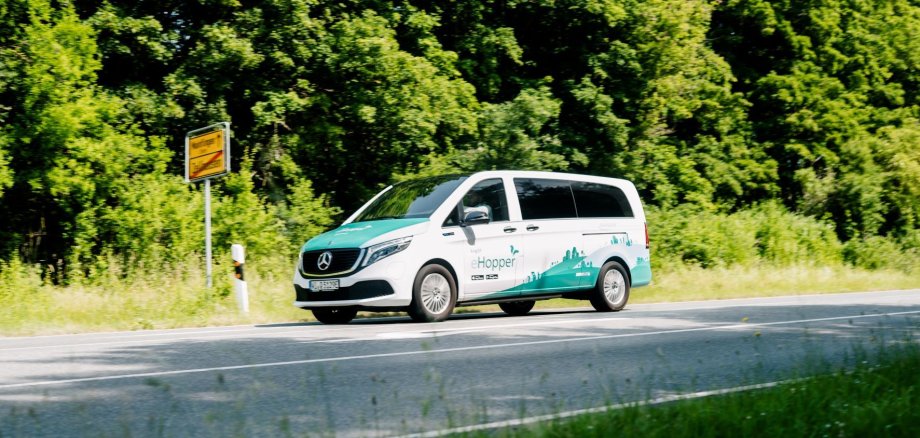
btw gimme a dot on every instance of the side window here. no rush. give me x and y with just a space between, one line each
488 196
600 200
545 198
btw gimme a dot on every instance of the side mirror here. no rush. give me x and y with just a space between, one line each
474 217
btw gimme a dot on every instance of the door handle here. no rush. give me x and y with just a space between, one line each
510 229
532 228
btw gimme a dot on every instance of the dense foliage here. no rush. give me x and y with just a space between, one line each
714 106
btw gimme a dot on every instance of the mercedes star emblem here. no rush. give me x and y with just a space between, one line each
324 261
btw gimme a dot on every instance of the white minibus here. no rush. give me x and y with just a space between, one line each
505 237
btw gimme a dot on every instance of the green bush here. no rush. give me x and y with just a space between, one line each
20 288
18 280
786 238
766 233
688 234
877 252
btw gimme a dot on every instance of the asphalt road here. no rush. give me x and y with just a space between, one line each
388 376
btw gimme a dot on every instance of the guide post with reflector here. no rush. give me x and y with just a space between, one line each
239 282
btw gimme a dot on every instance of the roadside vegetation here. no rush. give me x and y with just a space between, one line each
774 143
876 394
695 256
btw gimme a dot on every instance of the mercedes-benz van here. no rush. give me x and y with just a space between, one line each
507 237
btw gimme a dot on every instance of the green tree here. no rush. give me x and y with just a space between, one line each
833 86
90 183
519 134
642 93
56 111
360 108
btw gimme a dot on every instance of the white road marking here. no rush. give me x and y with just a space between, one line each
393 335
444 350
411 334
568 414
232 334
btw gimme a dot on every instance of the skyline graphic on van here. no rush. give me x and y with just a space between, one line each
562 274
566 274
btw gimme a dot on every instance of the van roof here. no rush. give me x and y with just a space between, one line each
546 174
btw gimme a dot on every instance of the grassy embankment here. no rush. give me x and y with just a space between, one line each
696 255
178 299
878 396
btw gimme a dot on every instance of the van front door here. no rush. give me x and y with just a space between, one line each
491 260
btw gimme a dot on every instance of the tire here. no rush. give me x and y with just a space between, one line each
517 308
612 289
335 315
434 294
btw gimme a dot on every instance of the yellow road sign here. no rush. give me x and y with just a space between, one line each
206 144
206 165
207 154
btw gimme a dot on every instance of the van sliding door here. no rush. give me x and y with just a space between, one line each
551 240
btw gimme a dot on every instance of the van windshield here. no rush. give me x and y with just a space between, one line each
412 199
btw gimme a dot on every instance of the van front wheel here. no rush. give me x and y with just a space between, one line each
434 294
612 289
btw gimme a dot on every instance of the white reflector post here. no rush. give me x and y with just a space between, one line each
242 291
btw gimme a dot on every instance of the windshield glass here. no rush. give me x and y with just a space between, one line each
412 199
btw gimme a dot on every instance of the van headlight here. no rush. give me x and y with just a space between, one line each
383 250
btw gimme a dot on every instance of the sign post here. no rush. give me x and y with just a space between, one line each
207 155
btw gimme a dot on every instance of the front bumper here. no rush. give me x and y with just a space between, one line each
385 285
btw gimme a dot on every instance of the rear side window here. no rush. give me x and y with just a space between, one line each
545 198
600 200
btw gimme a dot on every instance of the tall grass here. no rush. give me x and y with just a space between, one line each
877 397
163 297
689 283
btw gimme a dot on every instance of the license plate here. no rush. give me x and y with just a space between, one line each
319 285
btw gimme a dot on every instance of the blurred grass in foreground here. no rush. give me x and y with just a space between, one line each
176 297
878 396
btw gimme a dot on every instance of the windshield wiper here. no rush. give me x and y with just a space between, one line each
380 218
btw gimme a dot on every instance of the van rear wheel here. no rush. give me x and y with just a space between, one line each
434 294
517 308
612 289
335 315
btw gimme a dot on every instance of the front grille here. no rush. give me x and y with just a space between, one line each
343 261
358 291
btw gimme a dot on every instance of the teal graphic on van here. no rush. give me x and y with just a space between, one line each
355 234
642 272
567 274
564 274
